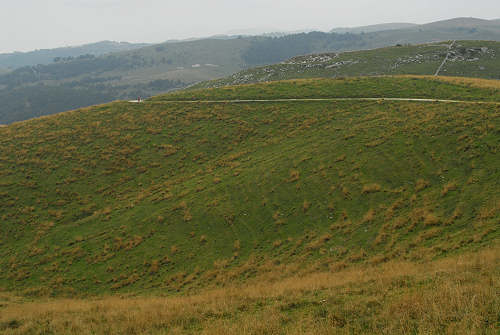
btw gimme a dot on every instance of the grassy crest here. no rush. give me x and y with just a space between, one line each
170 196
463 89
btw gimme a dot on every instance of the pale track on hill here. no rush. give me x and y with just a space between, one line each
322 99
445 59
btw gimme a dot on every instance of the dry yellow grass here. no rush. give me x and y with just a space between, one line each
456 295
371 188
476 82
482 83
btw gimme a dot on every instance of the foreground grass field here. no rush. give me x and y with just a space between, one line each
314 216
457 295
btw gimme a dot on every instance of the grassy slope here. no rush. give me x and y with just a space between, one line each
463 89
179 196
415 59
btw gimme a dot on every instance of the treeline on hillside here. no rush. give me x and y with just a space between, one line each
46 56
38 100
67 69
276 49
27 102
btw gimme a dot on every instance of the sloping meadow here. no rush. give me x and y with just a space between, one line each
405 86
169 196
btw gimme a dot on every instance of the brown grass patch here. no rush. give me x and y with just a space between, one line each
421 185
369 216
305 206
464 81
371 188
451 186
456 296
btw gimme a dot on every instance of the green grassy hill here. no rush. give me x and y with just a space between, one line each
170 196
479 59
33 91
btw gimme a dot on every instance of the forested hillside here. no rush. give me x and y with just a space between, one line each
46 56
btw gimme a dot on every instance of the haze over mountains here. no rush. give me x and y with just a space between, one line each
456 23
88 79
46 56
374 28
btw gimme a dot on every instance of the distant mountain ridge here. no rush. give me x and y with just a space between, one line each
33 91
460 22
373 28
46 56
468 22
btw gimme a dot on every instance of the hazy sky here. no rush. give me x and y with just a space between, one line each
34 24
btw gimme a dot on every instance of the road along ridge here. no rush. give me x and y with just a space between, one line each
322 99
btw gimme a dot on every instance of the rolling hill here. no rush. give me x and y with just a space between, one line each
46 56
480 59
301 203
464 22
178 183
373 28
456 24
34 91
